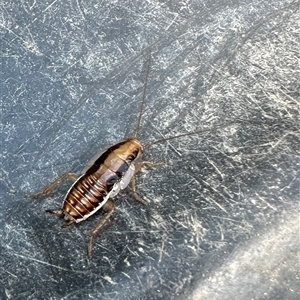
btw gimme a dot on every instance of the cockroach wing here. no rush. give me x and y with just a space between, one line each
92 160
115 190
127 177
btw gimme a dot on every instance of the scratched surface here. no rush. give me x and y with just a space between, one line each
223 220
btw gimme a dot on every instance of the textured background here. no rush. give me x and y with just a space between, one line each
223 217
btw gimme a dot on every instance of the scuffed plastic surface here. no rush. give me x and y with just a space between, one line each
223 216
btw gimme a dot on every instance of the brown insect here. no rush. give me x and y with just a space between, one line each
105 175
102 179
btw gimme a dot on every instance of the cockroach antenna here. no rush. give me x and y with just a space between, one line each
138 126
196 132
105 175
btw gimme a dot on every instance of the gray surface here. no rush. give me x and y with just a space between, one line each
223 217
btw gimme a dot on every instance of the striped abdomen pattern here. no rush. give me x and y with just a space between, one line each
92 189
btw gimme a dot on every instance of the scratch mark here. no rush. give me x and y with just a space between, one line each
80 9
50 5
108 279
218 205
212 163
12 32
161 250
33 4
221 232
216 191
139 280
267 203
126 275
11 274
176 16
47 264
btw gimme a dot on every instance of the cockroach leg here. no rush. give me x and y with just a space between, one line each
133 180
55 211
49 188
60 213
109 207
134 192
70 222
144 163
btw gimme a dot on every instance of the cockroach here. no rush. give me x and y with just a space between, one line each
104 176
